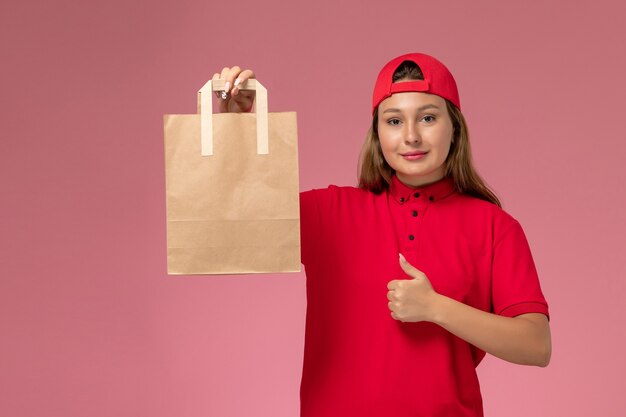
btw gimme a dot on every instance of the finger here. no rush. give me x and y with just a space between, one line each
408 268
224 76
230 76
224 73
394 316
392 285
233 73
391 296
241 79
390 306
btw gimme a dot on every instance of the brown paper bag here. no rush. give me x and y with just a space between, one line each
232 189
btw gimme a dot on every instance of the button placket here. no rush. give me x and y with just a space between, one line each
413 215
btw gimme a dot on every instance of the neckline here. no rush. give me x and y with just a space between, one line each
402 193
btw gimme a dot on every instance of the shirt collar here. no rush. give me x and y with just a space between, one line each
434 192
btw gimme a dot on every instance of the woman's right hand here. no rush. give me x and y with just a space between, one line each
237 101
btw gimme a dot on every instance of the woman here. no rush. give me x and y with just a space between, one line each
425 231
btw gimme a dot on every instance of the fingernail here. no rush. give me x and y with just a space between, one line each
401 257
237 81
227 86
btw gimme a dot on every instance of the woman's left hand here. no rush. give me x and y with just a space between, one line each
412 300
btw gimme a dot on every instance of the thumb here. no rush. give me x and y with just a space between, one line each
410 270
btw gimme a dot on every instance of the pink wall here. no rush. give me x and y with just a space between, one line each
91 325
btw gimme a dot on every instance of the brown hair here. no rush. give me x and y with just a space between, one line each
375 173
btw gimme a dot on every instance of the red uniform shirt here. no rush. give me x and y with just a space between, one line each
358 360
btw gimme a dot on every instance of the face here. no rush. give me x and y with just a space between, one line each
415 133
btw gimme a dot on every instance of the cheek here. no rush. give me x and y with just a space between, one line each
387 142
388 148
443 143
445 150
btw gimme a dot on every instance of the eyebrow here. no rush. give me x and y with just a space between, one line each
424 107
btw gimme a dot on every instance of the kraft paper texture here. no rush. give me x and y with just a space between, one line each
234 211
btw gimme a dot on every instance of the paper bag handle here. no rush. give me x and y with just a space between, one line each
205 109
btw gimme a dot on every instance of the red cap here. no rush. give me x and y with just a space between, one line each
437 80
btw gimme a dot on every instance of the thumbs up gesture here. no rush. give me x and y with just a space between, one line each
411 300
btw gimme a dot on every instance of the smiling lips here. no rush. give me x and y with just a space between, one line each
414 155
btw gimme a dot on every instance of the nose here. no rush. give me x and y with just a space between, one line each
412 134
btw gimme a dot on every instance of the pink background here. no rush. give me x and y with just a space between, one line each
91 325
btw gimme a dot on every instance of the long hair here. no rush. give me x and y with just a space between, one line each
375 173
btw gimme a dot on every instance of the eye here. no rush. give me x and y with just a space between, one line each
429 118
393 122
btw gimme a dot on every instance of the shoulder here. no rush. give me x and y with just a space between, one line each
334 195
337 190
478 211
